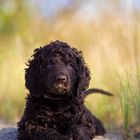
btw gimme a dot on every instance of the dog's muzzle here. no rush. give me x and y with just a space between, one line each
60 88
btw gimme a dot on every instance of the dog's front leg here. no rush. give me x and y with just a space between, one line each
79 132
33 132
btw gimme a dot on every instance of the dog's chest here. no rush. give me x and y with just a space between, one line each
59 120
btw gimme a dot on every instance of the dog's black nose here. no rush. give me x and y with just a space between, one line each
61 78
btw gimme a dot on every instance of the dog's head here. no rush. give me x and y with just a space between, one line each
55 71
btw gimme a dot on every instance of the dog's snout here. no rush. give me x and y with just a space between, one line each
61 78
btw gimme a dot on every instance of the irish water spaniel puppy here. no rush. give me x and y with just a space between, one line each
56 78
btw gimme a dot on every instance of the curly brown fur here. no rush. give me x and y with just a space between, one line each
56 78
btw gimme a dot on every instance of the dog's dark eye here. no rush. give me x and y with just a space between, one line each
49 66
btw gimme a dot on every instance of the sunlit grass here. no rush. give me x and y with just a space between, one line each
126 104
12 83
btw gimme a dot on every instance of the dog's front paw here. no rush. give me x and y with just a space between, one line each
80 137
79 133
66 138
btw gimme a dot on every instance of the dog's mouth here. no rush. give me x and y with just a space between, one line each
60 88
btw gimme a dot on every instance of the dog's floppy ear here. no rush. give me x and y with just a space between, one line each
83 73
33 75
84 76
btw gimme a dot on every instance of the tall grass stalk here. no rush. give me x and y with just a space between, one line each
126 106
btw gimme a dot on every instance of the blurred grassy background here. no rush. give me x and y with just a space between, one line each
108 33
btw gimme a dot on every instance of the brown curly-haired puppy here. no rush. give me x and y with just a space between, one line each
56 78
